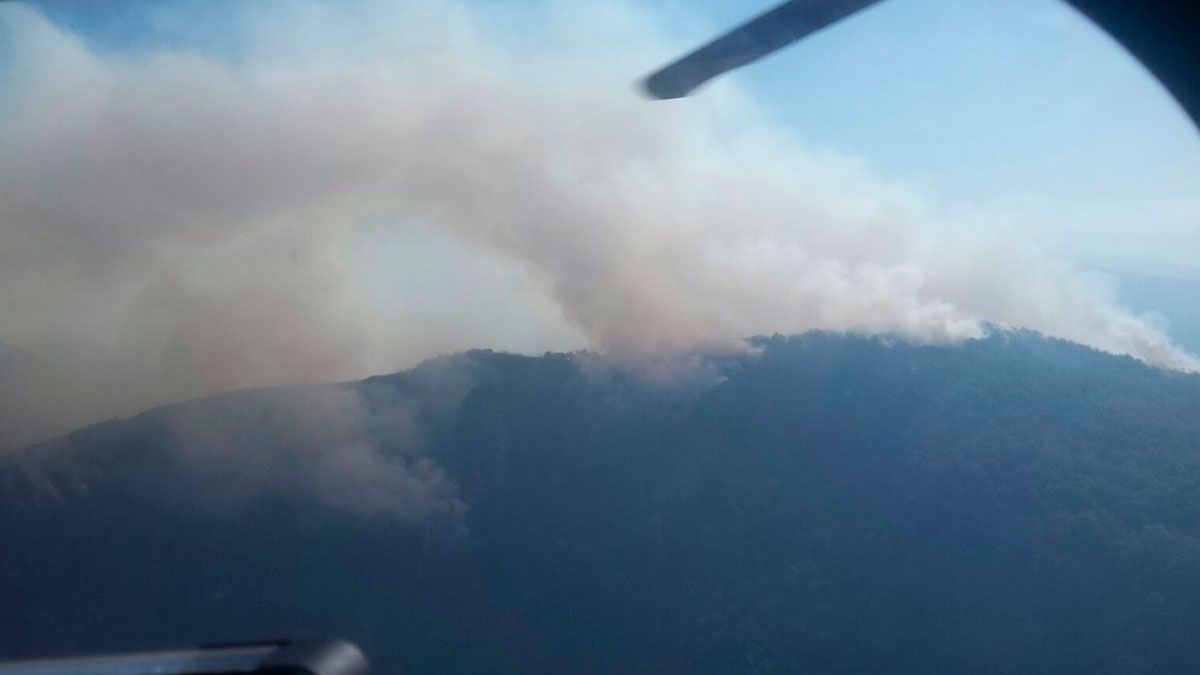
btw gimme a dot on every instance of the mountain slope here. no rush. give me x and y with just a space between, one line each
832 504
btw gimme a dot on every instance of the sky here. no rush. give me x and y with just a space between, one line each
1019 103
203 196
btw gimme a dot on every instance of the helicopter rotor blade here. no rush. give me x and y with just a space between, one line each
770 31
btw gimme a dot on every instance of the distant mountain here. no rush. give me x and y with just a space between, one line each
831 504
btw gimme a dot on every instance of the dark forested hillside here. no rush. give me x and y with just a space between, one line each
831 504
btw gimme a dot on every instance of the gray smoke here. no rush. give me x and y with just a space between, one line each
318 442
173 224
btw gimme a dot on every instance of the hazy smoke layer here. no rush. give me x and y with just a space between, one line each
315 442
173 224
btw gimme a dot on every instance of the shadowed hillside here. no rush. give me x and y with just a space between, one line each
832 504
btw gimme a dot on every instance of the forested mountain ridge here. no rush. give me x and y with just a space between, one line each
829 504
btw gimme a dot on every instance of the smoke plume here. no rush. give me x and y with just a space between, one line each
176 222
315 442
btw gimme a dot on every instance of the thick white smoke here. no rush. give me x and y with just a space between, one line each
173 224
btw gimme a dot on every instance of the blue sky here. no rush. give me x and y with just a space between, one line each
1019 102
